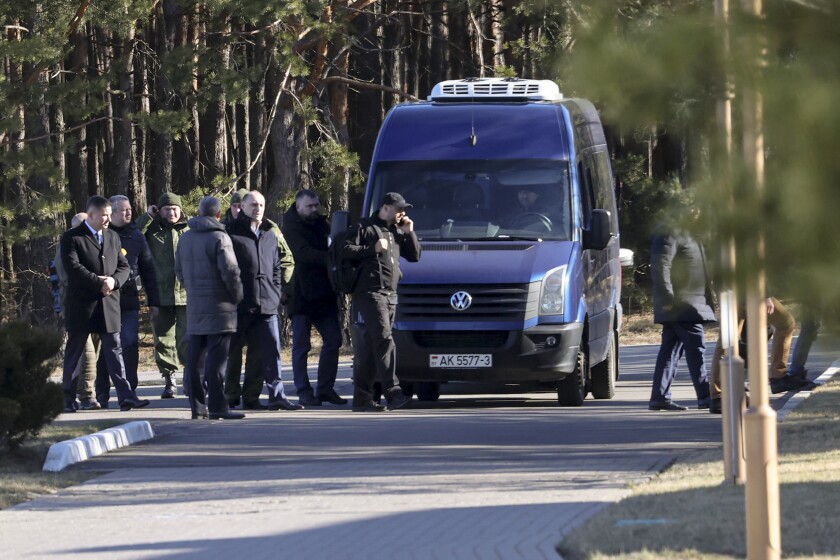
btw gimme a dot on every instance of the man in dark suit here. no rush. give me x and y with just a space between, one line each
96 268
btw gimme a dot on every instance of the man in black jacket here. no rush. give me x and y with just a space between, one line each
378 245
682 301
312 301
142 276
255 245
96 269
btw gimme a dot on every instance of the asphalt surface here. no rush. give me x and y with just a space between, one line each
485 472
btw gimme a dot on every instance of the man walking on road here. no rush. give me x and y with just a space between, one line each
255 245
96 268
682 301
378 245
312 300
163 225
206 264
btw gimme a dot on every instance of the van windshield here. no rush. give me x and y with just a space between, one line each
472 200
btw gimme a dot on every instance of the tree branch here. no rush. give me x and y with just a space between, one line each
74 25
369 85
4 143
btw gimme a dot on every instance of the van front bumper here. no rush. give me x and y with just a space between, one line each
544 353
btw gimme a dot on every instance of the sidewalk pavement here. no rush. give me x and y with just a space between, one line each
492 481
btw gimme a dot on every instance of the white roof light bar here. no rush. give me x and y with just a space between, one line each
496 88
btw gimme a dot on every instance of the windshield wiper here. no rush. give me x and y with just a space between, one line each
503 238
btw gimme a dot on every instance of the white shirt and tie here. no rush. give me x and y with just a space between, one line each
99 235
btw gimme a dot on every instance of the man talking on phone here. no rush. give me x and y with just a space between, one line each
378 245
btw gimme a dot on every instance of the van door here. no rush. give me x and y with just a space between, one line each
599 276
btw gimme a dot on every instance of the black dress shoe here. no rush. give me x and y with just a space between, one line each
68 408
254 406
284 404
398 401
785 384
666 405
129 404
331 397
309 400
369 407
715 406
226 416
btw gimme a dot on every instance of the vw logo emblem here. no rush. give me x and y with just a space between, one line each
460 301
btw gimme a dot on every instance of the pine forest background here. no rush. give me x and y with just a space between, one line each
140 97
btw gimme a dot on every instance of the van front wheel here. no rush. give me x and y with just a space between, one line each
571 390
427 391
605 373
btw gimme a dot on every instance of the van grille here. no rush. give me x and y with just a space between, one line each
490 302
460 339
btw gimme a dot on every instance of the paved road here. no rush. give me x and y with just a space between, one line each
498 474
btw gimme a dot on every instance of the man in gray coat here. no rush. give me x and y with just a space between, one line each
682 301
206 265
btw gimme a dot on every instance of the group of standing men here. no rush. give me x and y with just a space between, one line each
214 287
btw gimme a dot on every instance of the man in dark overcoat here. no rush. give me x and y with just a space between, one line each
682 301
91 255
206 265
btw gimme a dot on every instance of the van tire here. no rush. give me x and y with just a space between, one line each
605 373
427 391
571 390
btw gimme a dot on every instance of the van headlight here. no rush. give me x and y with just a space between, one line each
553 288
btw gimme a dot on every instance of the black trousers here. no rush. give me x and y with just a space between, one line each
112 352
208 392
374 352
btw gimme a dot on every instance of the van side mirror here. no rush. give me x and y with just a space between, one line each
339 221
598 235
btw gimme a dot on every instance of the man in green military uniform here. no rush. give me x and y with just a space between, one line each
163 225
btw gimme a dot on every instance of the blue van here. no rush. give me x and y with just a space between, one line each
514 205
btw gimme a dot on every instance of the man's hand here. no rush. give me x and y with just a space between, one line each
154 311
152 210
108 285
381 245
406 224
770 306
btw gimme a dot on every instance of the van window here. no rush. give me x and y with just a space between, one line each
470 200
587 196
605 193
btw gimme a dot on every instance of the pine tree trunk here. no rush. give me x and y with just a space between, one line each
77 165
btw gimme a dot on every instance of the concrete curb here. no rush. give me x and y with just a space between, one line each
800 396
65 453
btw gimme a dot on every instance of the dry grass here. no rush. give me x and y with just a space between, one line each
688 512
21 477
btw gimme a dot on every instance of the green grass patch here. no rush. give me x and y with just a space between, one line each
21 477
689 512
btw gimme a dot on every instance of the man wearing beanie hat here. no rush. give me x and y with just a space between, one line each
163 225
235 206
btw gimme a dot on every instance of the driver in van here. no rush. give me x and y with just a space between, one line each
527 211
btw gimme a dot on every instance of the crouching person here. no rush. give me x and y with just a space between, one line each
205 263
